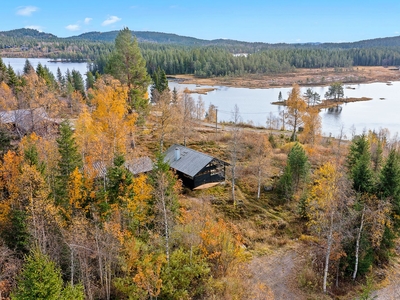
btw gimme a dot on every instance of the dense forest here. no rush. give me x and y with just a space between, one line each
77 223
185 55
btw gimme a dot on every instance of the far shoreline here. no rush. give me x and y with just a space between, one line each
302 77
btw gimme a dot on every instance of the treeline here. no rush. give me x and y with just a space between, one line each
206 58
214 61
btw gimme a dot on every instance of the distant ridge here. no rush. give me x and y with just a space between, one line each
170 38
27 33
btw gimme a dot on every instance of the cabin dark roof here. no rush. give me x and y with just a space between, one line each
190 162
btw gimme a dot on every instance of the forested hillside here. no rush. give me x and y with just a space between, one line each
185 55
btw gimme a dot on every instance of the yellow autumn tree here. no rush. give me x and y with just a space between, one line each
296 108
327 203
138 206
312 126
9 187
86 135
142 266
36 94
7 99
111 125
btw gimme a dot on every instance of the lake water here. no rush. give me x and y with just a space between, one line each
255 104
18 65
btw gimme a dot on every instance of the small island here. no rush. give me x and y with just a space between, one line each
329 102
334 97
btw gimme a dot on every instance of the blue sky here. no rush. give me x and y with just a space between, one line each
288 21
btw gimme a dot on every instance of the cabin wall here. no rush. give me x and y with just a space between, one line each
213 172
187 181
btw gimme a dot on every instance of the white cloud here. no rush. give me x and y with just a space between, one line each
26 10
36 27
73 27
111 20
87 20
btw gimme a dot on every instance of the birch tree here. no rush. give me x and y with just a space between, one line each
296 108
327 204
235 148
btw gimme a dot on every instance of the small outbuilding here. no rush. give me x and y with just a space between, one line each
195 168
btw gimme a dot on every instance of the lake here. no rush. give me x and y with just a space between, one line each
255 104
18 65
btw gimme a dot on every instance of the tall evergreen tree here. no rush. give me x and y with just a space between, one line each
160 84
41 279
12 77
78 84
70 159
389 184
28 67
296 170
126 64
89 80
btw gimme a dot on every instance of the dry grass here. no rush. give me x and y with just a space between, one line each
305 77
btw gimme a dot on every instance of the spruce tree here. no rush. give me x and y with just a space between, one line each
12 77
78 84
28 67
389 184
41 280
160 84
89 80
70 159
359 165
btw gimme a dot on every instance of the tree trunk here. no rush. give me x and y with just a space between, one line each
233 185
358 243
165 214
72 267
259 183
328 252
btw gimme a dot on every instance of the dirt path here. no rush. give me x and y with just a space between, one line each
392 290
275 276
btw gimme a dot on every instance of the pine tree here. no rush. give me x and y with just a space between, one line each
128 66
